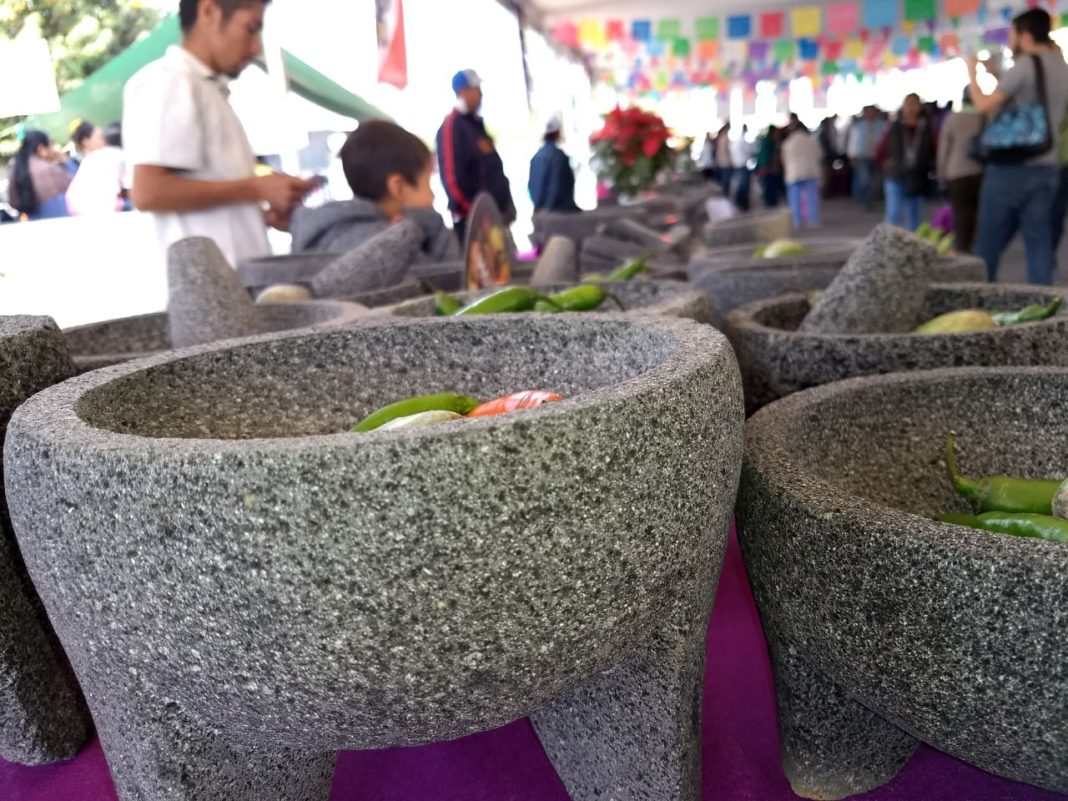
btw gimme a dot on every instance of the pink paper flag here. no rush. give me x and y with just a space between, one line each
843 18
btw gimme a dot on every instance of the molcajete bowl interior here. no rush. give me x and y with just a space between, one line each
335 589
658 298
115 341
951 635
776 359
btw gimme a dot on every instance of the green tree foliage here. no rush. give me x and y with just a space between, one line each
83 35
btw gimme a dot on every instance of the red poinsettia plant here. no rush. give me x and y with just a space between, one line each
631 150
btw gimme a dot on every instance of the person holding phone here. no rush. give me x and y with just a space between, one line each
193 167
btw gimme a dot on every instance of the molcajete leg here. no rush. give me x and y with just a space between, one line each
832 746
634 732
157 753
42 716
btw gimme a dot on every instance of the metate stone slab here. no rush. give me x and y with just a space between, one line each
777 359
296 268
116 341
755 227
656 298
285 591
885 627
880 289
43 718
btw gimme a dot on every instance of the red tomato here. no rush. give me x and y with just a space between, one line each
530 399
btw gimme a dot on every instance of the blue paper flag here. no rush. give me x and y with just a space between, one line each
739 27
880 13
641 30
809 49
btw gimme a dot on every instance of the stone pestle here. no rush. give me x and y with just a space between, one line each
880 290
207 301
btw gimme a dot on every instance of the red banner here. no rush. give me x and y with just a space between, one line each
392 52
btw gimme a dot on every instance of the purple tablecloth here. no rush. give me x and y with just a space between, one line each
741 759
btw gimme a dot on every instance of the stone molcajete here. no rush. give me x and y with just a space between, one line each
778 359
756 227
42 715
656 298
885 627
243 591
733 277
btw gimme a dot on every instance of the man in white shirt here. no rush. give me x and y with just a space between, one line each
193 167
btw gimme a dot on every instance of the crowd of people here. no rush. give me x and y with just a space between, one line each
927 154
188 163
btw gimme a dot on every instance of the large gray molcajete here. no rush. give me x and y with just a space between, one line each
285 591
732 277
656 298
755 227
777 360
885 627
42 716
116 341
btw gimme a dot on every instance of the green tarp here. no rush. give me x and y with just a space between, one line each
99 98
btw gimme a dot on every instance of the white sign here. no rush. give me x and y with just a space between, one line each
30 85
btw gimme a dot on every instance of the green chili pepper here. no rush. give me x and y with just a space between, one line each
630 269
546 307
1029 314
442 401
945 244
446 304
924 231
503 301
1043 527
1001 493
584 297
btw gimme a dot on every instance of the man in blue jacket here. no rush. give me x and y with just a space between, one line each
552 181
468 158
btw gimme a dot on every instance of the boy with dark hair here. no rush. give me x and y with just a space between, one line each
193 167
388 169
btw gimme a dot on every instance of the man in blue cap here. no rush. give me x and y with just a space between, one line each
467 157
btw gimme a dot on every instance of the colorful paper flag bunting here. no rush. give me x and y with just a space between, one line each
708 50
998 36
809 49
739 26
949 43
880 13
926 44
854 49
832 51
961 8
758 51
843 18
707 29
772 25
591 34
615 30
829 68
681 47
641 30
785 51
669 29
900 45
916 10
566 33
807 21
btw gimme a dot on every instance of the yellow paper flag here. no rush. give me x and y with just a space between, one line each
591 33
854 49
807 21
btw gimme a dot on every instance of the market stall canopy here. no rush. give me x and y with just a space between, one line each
100 96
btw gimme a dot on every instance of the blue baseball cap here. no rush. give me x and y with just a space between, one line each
466 79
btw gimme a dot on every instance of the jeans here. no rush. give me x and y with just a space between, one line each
804 197
899 205
742 183
1018 197
773 187
964 198
863 181
1060 209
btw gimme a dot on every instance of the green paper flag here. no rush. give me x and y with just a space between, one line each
1064 20
925 44
670 29
681 47
707 29
829 68
919 10
785 51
